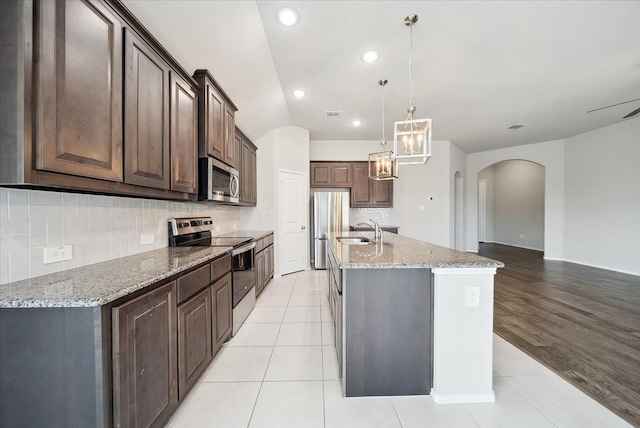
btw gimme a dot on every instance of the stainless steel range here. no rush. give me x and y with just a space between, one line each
196 231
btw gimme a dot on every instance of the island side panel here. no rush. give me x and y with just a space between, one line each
463 335
388 318
50 367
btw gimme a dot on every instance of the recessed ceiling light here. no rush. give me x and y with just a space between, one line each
356 122
299 93
287 16
370 56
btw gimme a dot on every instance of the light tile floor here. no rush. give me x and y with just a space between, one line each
281 371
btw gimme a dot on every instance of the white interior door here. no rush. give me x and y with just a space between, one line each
482 210
293 221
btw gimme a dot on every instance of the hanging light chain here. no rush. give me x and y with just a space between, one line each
383 83
411 65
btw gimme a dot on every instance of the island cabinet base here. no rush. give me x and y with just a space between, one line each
387 332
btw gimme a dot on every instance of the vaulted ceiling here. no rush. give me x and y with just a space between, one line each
478 66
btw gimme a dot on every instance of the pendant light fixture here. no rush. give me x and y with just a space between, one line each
412 137
382 165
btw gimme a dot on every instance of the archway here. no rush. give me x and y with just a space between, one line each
511 204
458 210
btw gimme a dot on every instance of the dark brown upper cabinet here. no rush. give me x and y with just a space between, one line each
78 82
247 168
365 192
216 124
89 104
184 136
330 174
146 121
368 193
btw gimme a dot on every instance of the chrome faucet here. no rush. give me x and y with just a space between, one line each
377 232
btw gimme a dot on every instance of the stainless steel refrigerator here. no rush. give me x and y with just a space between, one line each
330 212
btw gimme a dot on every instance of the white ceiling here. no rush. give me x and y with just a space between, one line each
479 66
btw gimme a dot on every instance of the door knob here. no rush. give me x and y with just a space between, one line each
302 227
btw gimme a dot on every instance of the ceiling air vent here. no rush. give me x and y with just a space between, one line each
517 126
332 113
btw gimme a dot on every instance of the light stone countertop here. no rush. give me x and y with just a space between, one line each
254 234
398 252
102 283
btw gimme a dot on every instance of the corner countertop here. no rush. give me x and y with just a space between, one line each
254 234
398 252
101 283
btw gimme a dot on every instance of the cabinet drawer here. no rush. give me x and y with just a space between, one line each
193 282
260 244
220 266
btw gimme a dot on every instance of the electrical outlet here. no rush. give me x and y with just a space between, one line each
146 239
521 236
217 228
57 254
473 297
235 226
420 207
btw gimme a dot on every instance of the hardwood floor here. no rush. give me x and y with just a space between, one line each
581 322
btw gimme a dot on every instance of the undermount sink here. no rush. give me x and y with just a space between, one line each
355 240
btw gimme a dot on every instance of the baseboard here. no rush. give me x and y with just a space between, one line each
516 246
599 267
463 398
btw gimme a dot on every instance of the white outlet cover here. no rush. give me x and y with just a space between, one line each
58 254
472 297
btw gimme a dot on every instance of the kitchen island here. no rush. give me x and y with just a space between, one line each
411 318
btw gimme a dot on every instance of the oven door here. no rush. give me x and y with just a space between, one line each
243 271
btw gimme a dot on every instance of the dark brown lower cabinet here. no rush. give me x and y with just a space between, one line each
145 369
194 340
127 363
222 317
264 262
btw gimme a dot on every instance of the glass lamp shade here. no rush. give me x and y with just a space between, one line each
412 141
382 166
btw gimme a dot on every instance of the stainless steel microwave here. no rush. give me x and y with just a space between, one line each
217 181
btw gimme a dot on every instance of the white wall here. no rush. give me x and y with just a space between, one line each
602 197
285 148
487 175
457 163
518 204
550 155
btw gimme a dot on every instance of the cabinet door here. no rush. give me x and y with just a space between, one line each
260 272
341 175
214 122
383 193
229 136
145 389
146 120
194 340
253 176
222 316
249 193
184 141
269 263
320 174
78 89
361 194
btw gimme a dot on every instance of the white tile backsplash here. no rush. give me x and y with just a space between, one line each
98 227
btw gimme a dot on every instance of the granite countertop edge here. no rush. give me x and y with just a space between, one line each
400 252
102 283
